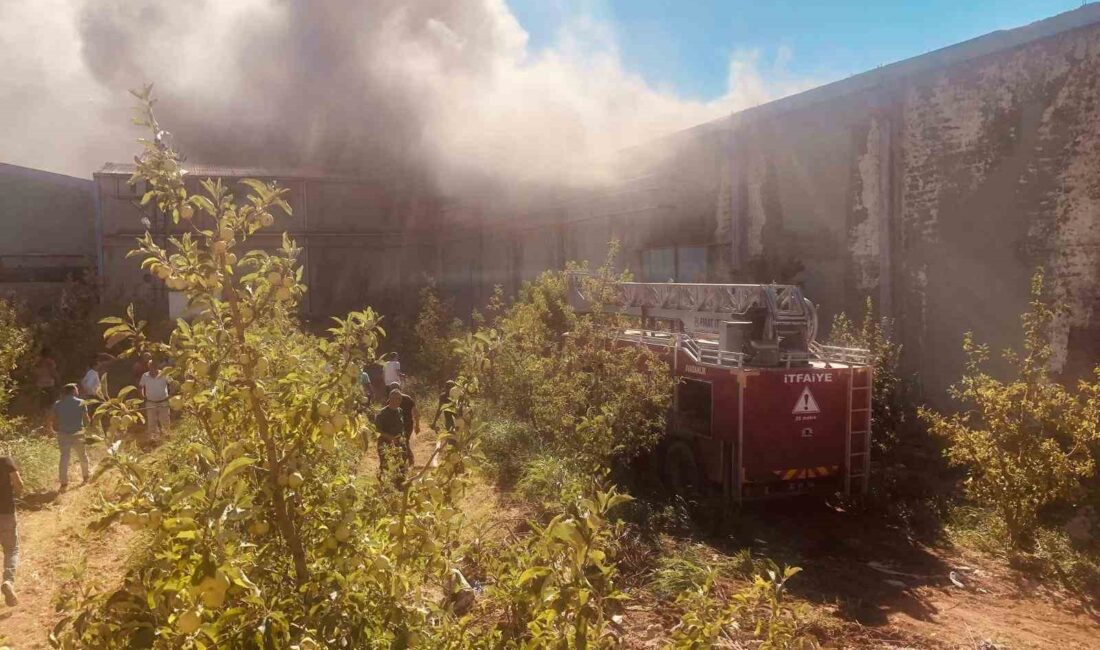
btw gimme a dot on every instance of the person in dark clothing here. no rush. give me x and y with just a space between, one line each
411 417
391 436
11 485
444 401
368 382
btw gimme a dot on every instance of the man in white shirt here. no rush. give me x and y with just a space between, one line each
90 383
391 371
154 388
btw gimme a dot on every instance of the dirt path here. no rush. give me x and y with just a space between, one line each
58 552
890 591
997 606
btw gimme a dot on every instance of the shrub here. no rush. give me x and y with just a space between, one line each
890 399
15 341
258 523
37 460
1024 442
559 587
759 612
553 482
434 356
584 396
508 445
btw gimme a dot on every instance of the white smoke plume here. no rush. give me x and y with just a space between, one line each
441 91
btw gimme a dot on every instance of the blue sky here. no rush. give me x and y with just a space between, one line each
686 45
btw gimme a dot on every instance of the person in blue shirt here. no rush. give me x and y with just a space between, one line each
67 420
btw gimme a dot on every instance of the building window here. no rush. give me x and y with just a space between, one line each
691 264
659 265
675 264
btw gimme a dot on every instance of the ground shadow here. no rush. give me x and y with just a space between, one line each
858 562
38 500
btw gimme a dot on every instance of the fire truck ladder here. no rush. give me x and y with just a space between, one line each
858 439
702 308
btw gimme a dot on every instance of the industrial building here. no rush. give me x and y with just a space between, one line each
935 186
362 243
49 235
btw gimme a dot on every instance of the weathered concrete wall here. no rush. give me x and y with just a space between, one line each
938 194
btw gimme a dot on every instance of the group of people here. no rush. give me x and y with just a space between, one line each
398 419
68 415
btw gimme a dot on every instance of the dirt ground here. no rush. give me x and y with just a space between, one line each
870 586
58 552
877 588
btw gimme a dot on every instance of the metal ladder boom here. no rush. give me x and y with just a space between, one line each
702 308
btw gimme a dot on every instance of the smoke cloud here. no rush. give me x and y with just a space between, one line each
439 91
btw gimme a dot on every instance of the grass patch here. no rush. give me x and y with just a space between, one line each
36 458
1052 557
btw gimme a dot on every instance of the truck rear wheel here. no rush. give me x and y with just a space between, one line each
680 469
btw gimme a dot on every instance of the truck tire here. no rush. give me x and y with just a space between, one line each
681 472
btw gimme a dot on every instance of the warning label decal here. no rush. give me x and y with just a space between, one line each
806 404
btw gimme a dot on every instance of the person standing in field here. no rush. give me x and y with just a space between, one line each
154 388
444 402
46 378
92 380
141 366
411 418
391 370
11 486
67 420
391 436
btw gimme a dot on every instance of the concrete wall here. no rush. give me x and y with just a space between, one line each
939 194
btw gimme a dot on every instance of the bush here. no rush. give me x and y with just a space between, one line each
758 612
1025 442
553 483
890 405
37 460
15 342
434 357
584 396
258 520
559 587
508 445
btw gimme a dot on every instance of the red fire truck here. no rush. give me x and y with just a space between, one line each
761 409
